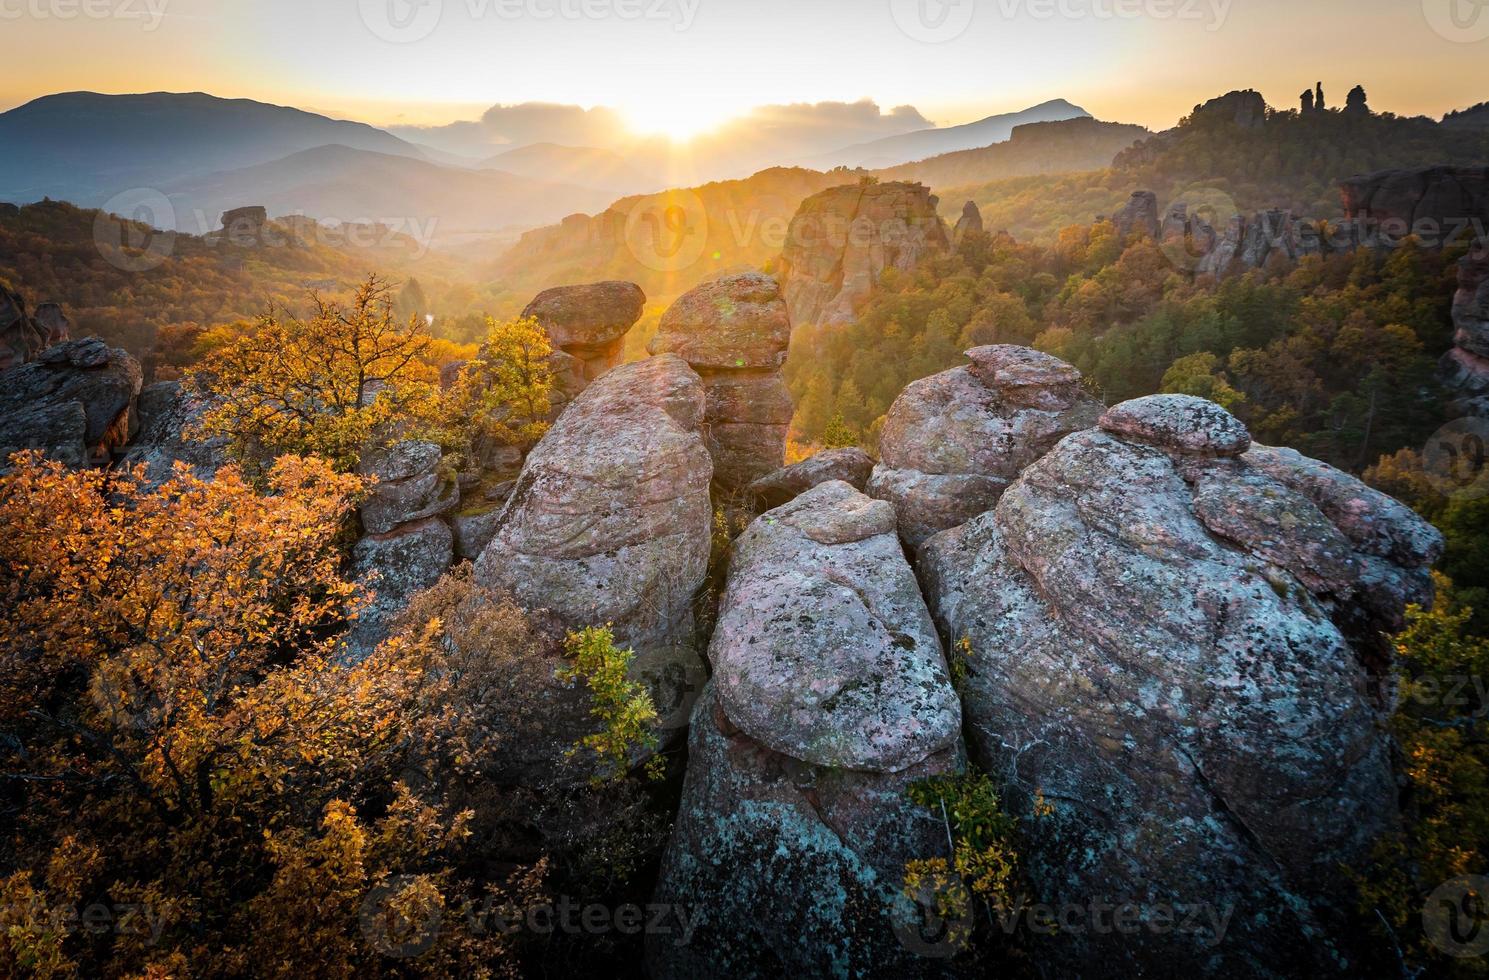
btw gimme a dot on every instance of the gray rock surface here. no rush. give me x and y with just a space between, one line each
734 332
398 566
75 402
411 485
830 698
610 519
589 322
852 465
969 223
168 411
952 442
1160 645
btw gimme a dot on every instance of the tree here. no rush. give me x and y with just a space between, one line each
324 386
179 734
505 392
1197 375
839 434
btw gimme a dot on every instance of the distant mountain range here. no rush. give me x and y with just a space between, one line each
1066 146
346 184
919 145
209 155
85 148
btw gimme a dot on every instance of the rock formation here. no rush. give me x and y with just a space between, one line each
853 466
1465 368
734 332
75 402
1159 622
952 442
167 412
244 227
970 222
588 323
53 323
410 485
1307 101
396 566
21 337
610 519
1355 103
1138 216
1439 204
1318 98
842 239
830 698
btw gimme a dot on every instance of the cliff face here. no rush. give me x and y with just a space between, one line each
842 240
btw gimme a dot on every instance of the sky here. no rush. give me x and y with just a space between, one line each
682 66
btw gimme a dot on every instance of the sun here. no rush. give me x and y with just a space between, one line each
670 118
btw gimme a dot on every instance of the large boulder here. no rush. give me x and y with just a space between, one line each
168 412
852 465
1139 216
397 566
952 442
75 402
842 240
610 519
409 484
589 322
1432 201
1159 646
970 223
830 698
1465 368
734 332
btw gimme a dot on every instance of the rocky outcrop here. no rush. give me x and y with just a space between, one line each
1432 202
1159 621
589 323
1139 216
853 466
953 442
53 324
830 698
1465 368
610 518
75 402
244 227
410 484
969 223
21 337
734 332
168 411
396 567
843 239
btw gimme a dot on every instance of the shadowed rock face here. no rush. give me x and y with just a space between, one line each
400 564
1465 368
610 518
167 411
410 486
589 322
830 698
852 465
1160 643
969 223
952 442
21 338
734 332
842 240
75 402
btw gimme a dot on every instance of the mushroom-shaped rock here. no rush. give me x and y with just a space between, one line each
953 442
734 332
852 465
609 521
830 698
589 322
1179 423
1179 651
824 650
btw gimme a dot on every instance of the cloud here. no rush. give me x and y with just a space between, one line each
548 122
